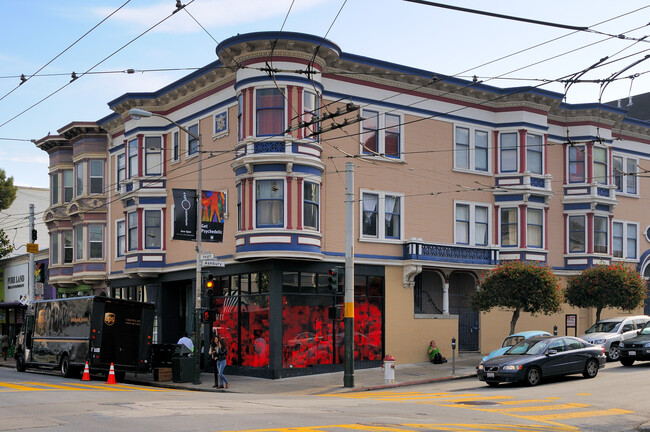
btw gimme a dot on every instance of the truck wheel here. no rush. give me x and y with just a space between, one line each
614 353
66 370
20 364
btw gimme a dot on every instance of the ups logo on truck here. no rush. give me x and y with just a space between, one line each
109 318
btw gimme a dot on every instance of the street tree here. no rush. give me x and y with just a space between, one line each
519 286
603 286
7 196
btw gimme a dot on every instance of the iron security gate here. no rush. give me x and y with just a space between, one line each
461 289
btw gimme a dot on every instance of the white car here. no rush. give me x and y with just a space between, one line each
611 331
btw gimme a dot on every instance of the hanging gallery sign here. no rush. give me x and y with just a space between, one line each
213 212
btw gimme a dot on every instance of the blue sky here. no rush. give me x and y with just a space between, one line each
439 40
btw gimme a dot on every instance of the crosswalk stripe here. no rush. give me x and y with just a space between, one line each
17 387
580 414
51 386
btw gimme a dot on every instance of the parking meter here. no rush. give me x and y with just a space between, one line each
555 330
453 355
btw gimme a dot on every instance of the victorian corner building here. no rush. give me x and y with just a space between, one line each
451 177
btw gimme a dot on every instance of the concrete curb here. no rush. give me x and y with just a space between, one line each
412 383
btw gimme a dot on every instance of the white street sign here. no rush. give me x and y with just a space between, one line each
207 256
212 263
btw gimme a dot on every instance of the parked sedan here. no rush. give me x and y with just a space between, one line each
514 339
636 348
540 357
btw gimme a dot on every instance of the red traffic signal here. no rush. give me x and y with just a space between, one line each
333 279
208 316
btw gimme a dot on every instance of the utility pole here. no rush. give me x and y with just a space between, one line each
30 267
348 318
198 283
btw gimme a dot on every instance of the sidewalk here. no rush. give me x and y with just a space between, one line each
364 379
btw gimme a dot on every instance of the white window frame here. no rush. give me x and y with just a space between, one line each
79 178
517 239
578 149
584 233
541 151
151 169
132 162
257 199
471 149
626 175
91 241
605 164
176 147
158 230
257 110
189 139
95 163
314 203
78 243
54 242
472 223
54 188
70 234
120 251
542 227
132 233
516 150
381 133
68 185
381 217
626 226
309 113
607 233
120 172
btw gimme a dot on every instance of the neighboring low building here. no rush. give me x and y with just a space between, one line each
450 177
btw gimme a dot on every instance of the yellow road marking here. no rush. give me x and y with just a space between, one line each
52 386
542 407
525 401
18 387
80 386
599 413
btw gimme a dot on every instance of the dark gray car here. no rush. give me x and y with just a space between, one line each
539 357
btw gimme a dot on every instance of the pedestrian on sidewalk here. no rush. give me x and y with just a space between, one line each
222 356
434 354
5 345
214 347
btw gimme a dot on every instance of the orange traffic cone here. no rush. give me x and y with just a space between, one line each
111 376
86 375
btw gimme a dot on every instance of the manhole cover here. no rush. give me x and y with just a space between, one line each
477 403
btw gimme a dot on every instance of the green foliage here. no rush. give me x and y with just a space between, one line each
604 286
520 286
5 245
7 190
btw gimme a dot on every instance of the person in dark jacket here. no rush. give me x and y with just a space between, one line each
213 352
222 356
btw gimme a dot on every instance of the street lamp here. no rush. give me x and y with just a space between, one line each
137 113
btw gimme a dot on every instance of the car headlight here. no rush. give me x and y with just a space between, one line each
480 366
511 368
599 341
621 345
647 345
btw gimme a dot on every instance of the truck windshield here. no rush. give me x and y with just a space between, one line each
604 327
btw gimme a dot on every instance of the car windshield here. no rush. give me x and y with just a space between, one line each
511 340
604 327
528 347
645 330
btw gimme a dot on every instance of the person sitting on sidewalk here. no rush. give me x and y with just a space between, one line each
434 354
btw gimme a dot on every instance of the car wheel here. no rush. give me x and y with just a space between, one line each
65 367
533 376
614 353
492 383
627 362
591 369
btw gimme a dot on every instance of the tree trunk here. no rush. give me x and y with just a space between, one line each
598 311
513 321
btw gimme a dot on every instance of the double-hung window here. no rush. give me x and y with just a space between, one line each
625 175
79 243
96 241
600 234
310 112
54 190
68 247
121 170
68 186
509 227
192 141
311 205
121 239
535 227
576 164
133 158
381 134
96 176
600 165
624 237
240 117
239 208
153 155
152 229
577 235
269 112
79 186
176 146
471 224
508 152
471 149
133 231
269 203
534 152
381 215
54 241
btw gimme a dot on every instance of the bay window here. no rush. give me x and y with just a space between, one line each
239 208
269 112
240 117
79 170
576 164
600 234
176 145
269 203
508 152
534 152
152 229
535 227
133 158
96 241
121 239
68 186
54 190
54 248
67 246
121 170
153 155
577 234
311 205
509 227
600 165
79 243
96 176
310 111
133 231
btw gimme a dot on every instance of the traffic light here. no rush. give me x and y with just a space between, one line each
34 235
333 279
208 316
209 285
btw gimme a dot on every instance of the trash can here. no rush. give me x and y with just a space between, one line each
182 365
